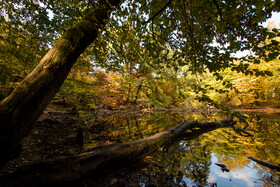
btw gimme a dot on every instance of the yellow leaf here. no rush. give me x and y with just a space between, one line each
148 158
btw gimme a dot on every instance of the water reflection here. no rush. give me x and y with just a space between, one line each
123 128
208 157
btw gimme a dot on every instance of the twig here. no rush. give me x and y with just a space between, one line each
155 15
220 13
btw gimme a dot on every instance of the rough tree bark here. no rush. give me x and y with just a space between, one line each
68 169
20 110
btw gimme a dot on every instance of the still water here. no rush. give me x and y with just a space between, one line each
203 157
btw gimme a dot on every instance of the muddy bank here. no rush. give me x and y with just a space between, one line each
60 132
54 134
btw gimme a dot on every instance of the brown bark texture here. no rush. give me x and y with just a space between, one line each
72 168
20 110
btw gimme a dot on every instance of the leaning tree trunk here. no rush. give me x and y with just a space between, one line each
68 169
20 110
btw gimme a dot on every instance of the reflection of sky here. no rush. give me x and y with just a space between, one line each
246 176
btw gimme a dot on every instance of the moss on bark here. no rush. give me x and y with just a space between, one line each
20 110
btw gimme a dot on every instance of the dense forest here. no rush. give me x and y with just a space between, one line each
133 62
121 56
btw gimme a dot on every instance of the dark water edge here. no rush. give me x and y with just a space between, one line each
203 157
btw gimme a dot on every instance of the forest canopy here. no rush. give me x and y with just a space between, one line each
140 40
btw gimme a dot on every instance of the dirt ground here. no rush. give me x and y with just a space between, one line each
54 134
58 132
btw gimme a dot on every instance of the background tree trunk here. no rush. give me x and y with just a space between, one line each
20 110
138 91
68 169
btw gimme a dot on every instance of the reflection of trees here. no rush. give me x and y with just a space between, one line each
182 161
267 141
266 132
123 128
198 162
269 177
232 148
227 147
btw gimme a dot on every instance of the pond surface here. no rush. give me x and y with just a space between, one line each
208 157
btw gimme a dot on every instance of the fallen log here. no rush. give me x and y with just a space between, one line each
271 166
66 169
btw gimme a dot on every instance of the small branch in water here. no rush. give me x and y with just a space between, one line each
244 133
271 166
223 167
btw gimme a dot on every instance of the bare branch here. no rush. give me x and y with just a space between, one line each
220 13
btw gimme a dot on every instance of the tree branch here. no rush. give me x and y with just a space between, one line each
219 11
156 14
265 164
222 18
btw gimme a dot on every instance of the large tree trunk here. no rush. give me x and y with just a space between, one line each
69 169
20 110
